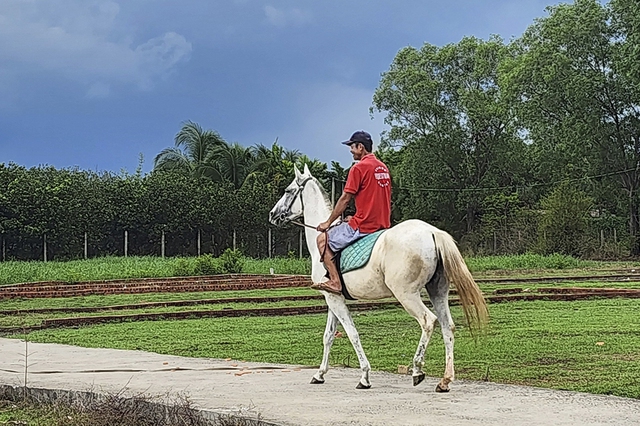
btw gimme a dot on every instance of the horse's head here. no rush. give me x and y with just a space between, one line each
290 207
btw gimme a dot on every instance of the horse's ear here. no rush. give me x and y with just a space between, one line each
306 169
295 169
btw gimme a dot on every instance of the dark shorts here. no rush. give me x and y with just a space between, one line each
342 235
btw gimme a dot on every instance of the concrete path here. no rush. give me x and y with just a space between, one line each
281 394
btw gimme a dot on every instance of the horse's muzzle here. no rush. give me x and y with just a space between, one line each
276 219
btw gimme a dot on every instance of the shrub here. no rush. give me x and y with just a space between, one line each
564 223
232 261
208 265
183 268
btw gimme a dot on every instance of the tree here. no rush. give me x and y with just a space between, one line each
194 152
580 111
453 128
626 23
274 165
564 222
233 163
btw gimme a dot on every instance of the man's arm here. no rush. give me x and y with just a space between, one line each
340 207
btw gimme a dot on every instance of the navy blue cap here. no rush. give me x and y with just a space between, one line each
361 137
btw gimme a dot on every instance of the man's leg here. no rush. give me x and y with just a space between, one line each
329 263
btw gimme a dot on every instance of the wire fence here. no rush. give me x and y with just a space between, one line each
514 235
276 242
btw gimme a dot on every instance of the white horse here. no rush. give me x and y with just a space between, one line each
406 258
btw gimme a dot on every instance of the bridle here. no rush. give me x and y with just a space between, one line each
302 224
298 193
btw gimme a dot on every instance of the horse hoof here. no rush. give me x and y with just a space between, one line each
361 386
315 381
441 389
418 379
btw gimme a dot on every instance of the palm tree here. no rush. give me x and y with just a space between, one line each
233 162
194 152
318 168
273 164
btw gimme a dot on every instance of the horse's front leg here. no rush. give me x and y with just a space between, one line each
329 335
339 308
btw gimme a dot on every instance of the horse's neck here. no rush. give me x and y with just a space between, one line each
316 209
315 212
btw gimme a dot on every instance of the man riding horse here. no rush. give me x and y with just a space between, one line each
369 184
403 261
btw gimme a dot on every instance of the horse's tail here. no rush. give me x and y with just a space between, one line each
456 272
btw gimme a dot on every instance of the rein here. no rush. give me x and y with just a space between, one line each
295 222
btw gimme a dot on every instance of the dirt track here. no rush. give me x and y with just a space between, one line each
282 394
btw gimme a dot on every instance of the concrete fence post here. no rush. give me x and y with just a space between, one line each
300 243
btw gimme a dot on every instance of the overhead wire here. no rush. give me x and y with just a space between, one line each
501 188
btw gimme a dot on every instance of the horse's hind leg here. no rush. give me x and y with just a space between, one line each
438 289
339 308
414 305
329 335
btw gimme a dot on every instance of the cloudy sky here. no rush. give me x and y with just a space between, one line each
96 83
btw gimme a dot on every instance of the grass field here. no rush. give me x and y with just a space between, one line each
148 267
591 346
105 268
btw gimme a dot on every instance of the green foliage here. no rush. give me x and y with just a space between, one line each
183 268
194 153
229 262
232 261
107 268
528 261
25 413
508 226
206 264
455 130
64 204
564 221
572 88
280 265
626 22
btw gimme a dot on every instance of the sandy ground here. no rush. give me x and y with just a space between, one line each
281 394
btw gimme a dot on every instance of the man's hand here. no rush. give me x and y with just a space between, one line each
323 226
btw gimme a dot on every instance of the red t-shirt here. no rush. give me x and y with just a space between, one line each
370 182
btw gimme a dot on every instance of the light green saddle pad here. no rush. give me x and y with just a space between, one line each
357 254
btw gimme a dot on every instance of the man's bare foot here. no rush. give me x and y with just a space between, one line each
328 286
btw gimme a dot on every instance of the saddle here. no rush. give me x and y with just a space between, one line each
355 256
